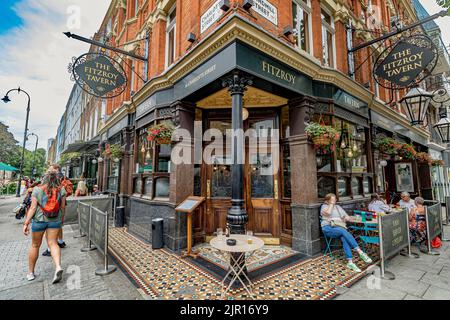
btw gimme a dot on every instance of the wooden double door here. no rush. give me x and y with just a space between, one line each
261 176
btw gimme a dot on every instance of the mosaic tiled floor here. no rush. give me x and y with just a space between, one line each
164 275
266 256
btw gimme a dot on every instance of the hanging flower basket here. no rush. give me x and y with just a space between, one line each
161 133
322 136
388 146
423 157
437 163
407 151
114 152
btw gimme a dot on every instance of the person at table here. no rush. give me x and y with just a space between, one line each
417 224
406 201
377 204
333 214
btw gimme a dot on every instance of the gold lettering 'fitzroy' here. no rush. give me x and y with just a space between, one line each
277 72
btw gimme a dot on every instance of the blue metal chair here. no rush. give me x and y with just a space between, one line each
414 232
329 243
366 229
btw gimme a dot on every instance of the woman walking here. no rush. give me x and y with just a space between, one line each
45 216
334 220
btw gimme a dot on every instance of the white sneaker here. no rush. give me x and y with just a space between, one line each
58 276
352 266
31 276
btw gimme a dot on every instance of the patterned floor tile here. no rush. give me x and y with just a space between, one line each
164 275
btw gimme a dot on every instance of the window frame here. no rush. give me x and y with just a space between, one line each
307 8
171 25
328 27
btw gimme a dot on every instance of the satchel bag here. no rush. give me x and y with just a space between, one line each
338 223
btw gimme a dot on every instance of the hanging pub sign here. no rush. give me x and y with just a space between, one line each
406 63
99 75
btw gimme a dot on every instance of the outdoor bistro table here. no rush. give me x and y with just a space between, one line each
242 247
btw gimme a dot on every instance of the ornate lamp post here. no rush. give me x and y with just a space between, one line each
443 125
6 100
416 103
34 170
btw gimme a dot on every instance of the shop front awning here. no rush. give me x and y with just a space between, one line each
7 167
86 146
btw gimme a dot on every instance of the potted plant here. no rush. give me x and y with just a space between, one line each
322 136
388 146
161 133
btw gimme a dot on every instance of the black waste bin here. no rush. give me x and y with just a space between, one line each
120 217
157 233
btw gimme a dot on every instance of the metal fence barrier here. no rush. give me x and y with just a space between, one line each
393 230
95 224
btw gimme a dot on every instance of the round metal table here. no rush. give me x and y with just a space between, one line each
234 254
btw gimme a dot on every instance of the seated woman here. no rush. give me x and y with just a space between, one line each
417 226
332 215
406 201
377 204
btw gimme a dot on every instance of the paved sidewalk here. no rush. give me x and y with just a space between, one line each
79 280
425 278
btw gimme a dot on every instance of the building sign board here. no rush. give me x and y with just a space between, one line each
406 63
210 16
267 10
350 102
99 75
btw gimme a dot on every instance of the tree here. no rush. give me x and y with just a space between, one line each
445 4
38 162
9 150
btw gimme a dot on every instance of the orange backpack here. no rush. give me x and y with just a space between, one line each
51 203
68 186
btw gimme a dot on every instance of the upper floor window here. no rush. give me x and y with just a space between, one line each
301 16
136 7
171 36
328 38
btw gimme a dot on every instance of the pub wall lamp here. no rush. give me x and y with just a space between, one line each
416 103
225 5
247 4
287 31
191 37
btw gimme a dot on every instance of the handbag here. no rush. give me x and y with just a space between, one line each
338 224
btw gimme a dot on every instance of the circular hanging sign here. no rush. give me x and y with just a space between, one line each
406 63
99 75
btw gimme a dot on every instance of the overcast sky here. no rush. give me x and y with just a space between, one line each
35 55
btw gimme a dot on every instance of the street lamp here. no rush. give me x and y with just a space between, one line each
33 173
442 127
416 103
6 100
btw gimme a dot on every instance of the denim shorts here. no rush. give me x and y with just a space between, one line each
42 226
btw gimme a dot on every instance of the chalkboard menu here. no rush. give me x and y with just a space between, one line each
84 217
190 204
97 230
394 229
434 220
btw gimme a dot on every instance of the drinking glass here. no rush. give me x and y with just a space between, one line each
249 237
219 233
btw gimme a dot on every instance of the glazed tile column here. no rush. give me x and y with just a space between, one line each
305 214
237 215
181 172
126 167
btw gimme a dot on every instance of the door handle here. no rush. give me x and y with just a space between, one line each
208 189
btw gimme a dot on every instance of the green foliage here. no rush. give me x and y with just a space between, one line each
115 152
66 157
445 4
9 150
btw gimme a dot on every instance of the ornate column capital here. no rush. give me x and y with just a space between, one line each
237 83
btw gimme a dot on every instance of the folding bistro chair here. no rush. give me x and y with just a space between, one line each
329 243
367 229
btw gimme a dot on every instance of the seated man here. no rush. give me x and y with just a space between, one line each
406 201
95 191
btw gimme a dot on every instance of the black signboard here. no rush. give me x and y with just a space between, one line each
84 217
394 230
97 230
99 75
434 221
406 63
